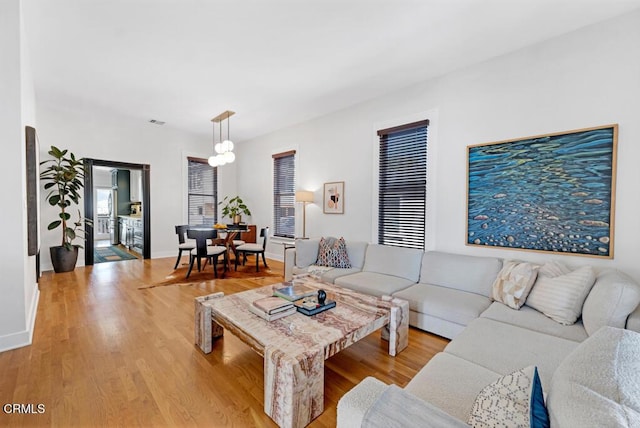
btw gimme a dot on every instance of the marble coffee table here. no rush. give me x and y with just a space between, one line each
294 348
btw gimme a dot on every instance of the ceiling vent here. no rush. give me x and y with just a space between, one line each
156 122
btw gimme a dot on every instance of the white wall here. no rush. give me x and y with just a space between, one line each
586 78
91 133
18 287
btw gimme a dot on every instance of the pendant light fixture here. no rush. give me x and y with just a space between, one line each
223 149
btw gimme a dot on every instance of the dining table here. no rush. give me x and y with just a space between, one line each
224 236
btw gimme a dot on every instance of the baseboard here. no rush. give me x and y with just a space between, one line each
25 337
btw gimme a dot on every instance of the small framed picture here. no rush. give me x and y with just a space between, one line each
333 199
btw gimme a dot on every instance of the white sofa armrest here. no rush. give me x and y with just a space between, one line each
289 263
374 404
355 403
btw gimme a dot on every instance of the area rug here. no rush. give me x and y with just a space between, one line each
178 276
110 254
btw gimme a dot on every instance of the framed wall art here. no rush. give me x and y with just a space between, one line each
31 150
551 193
333 198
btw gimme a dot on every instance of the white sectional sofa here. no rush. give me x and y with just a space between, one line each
450 295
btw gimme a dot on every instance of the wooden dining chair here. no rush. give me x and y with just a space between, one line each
183 244
210 253
257 249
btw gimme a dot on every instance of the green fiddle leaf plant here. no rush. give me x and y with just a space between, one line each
64 178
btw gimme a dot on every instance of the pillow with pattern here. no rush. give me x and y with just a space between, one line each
332 252
514 282
514 400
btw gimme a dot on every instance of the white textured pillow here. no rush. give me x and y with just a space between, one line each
613 297
514 282
598 383
553 269
514 400
561 297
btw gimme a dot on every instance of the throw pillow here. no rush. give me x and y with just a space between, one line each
553 269
514 400
333 252
514 282
561 297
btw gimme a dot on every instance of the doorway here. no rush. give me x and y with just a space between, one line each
117 207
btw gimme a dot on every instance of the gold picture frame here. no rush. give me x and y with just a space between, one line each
548 193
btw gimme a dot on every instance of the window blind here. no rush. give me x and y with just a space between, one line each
402 189
202 192
284 211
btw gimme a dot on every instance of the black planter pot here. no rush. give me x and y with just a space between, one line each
63 260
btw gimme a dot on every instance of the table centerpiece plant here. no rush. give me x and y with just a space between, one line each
233 208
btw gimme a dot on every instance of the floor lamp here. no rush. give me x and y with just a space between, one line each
305 197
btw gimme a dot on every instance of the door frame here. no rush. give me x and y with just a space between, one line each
88 203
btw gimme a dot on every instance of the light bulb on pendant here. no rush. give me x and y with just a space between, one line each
213 161
218 148
221 160
229 157
227 145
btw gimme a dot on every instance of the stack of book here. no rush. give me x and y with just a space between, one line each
294 292
271 308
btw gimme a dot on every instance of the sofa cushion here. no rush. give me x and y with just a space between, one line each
332 252
306 252
395 261
531 319
514 282
357 251
435 325
451 383
374 284
466 273
331 275
598 384
504 348
561 297
514 399
613 297
445 303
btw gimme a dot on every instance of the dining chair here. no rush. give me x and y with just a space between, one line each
208 252
183 244
257 249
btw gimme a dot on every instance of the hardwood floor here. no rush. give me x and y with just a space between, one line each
106 353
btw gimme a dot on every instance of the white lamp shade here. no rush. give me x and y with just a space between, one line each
213 161
229 157
221 160
304 196
227 145
218 148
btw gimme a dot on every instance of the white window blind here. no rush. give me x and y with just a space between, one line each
202 192
284 211
402 189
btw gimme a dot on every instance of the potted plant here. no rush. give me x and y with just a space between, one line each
233 208
64 179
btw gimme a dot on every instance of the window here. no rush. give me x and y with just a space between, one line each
284 184
202 192
403 185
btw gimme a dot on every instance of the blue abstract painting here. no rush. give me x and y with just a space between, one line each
548 193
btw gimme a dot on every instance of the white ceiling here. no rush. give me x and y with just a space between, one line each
274 62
